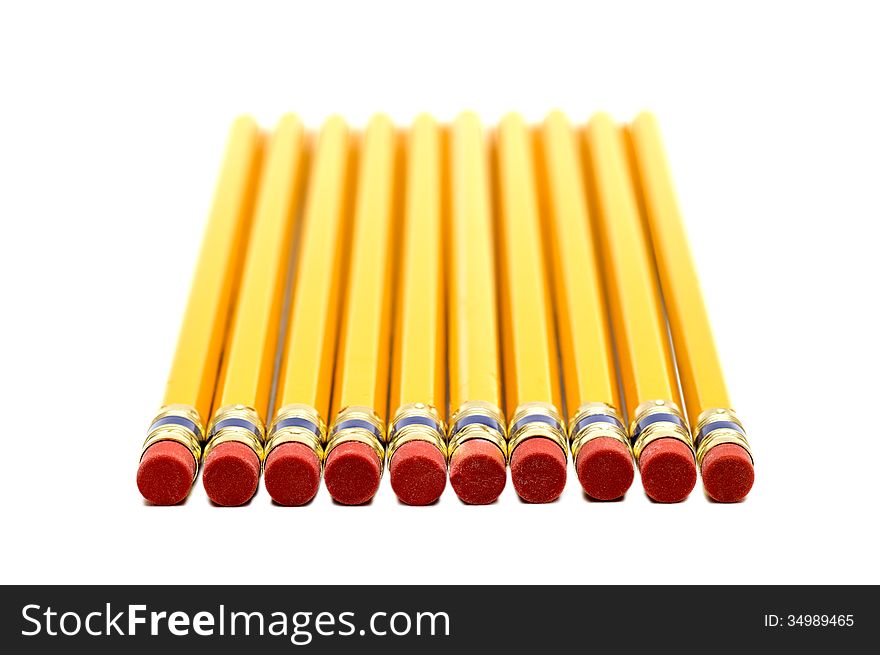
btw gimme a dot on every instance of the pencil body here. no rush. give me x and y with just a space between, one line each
238 424
178 430
591 390
416 433
528 340
650 390
713 422
477 434
302 401
355 449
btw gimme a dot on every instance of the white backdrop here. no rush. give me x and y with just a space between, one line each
112 126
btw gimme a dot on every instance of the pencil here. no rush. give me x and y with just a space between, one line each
295 443
661 443
723 452
355 452
234 452
417 432
172 450
599 445
477 434
537 442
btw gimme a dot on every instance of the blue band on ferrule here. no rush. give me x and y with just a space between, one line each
358 423
297 422
178 420
535 418
717 425
475 419
234 422
596 418
654 418
415 420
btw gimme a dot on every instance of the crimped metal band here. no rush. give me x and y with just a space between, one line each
658 419
416 422
236 423
476 419
592 421
359 424
297 423
717 426
536 419
181 424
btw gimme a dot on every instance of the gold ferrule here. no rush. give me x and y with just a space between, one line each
658 419
593 421
717 426
237 423
416 422
297 423
476 419
359 424
531 420
178 423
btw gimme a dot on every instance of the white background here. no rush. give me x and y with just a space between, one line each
112 125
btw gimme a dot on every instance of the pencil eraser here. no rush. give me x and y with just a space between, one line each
537 468
292 474
418 473
477 472
165 474
605 468
728 473
352 473
668 470
232 471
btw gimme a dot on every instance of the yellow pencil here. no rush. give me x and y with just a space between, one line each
661 442
234 452
295 443
417 431
355 451
599 445
173 448
477 446
537 441
723 452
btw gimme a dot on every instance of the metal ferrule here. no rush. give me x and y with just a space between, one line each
476 419
531 420
178 423
717 426
359 424
594 421
416 422
658 419
297 423
236 423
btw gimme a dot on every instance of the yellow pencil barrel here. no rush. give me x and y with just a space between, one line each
305 381
712 420
194 369
474 351
243 394
418 377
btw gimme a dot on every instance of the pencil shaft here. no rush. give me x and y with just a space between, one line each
196 363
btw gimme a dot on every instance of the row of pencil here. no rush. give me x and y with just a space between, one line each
441 297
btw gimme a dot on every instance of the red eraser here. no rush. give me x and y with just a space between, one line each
537 468
605 468
232 471
478 472
352 473
668 470
292 474
728 473
166 472
418 473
